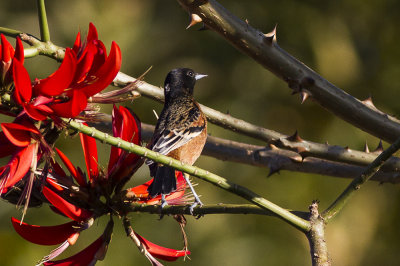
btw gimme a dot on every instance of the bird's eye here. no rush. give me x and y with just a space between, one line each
190 74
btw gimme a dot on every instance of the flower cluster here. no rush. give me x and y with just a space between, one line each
38 109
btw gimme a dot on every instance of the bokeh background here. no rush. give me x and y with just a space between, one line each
352 43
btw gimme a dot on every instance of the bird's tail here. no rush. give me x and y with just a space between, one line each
164 181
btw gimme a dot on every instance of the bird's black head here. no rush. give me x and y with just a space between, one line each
180 81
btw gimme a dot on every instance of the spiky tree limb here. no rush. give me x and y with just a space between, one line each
214 179
264 49
294 143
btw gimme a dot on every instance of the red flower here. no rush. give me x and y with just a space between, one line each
81 202
85 71
20 140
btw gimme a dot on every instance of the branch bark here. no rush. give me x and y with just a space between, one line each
264 49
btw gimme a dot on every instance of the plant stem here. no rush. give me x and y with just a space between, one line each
214 179
44 27
10 32
205 209
356 184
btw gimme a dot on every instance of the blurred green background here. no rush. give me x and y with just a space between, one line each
354 44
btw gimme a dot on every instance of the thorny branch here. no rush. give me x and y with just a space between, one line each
264 49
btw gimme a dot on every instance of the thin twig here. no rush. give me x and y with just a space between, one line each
356 184
44 26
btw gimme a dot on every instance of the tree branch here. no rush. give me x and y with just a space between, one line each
214 179
205 209
356 184
44 26
264 49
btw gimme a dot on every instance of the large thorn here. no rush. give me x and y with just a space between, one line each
295 137
304 96
366 149
270 37
379 149
194 19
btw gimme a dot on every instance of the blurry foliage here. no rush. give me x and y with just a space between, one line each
354 44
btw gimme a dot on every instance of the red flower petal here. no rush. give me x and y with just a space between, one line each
106 74
160 252
19 134
92 34
19 51
77 44
44 235
71 168
22 82
76 104
70 210
38 113
83 258
84 63
60 80
19 165
5 49
90 152
126 126
6 147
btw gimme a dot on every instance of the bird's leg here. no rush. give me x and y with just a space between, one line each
163 201
197 200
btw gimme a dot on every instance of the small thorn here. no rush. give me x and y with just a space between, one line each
326 143
366 149
273 170
203 27
194 19
270 37
303 96
301 151
368 102
273 147
347 148
379 149
295 137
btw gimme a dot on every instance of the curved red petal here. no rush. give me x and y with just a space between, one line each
83 258
71 168
92 34
77 44
160 252
19 51
60 80
6 147
85 62
126 126
44 235
22 83
90 151
74 212
18 134
20 164
76 104
5 49
116 125
106 74
38 113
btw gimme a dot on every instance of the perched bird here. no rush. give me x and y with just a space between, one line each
180 133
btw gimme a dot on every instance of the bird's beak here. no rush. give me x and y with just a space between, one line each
199 76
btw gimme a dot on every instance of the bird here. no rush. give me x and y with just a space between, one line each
180 132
